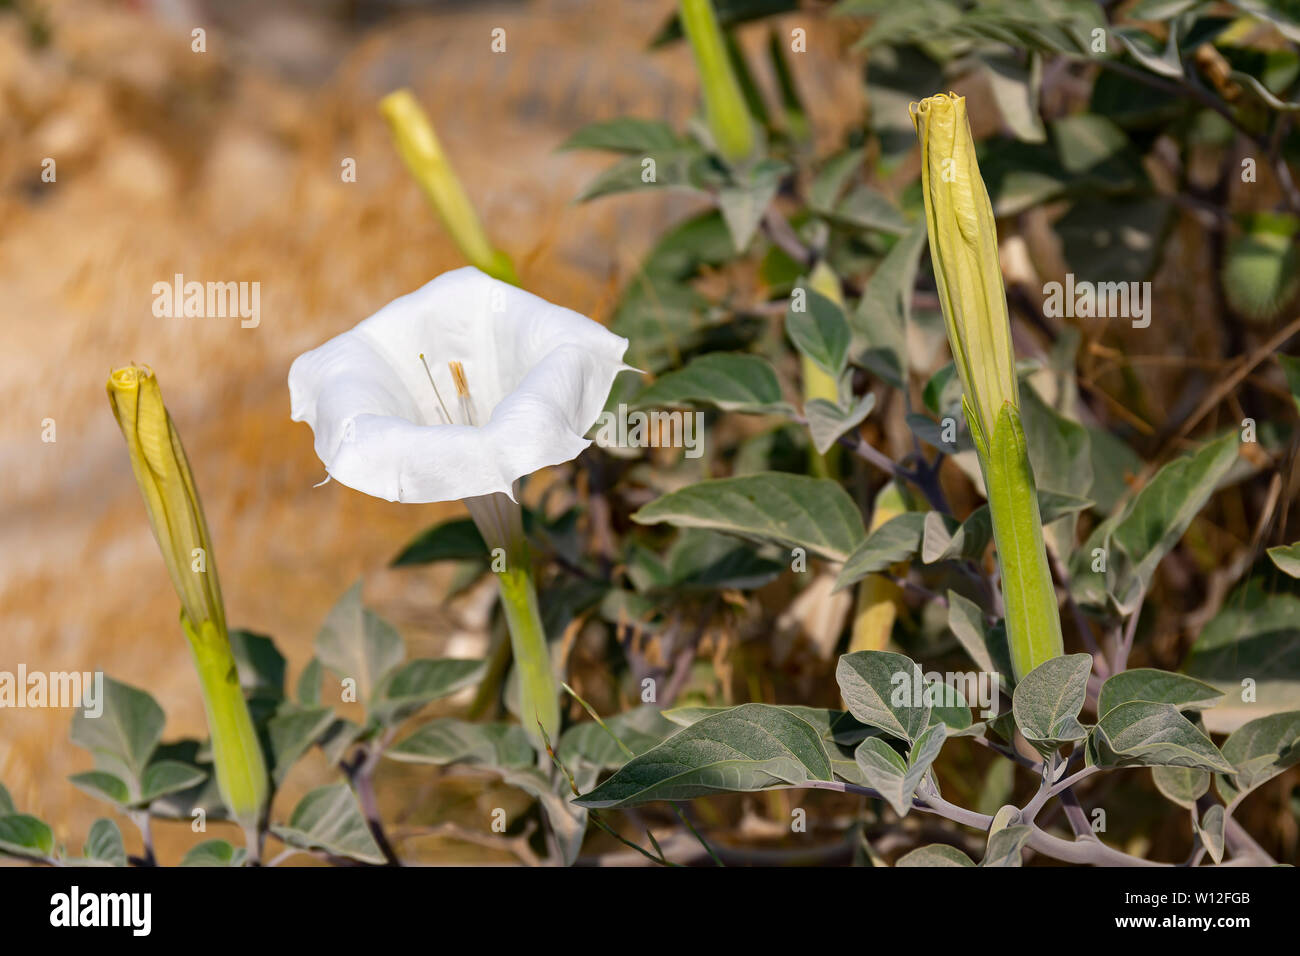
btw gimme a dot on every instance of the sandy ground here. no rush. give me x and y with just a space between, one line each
225 165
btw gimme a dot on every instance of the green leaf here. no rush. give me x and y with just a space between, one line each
356 643
1150 526
6 801
309 684
1211 828
750 747
340 735
168 776
708 561
897 540
1161 10
260 665
1145 683
730 381
447 740
881 689
789 510
896 77
625 134
1015 90
1263 92
943 539
831 178
104 844
1254 636
1048 699
742 205
879 324
1286 558
1145 50
416 683
103 785
215 853
638 730
832 726
672 169
292 731
1114 240
1260 265
1283 16
986 646
567 820
1060 454
125 735
827 422
1005 845
1260 750
328 818
663 316
1113 465
22 834
935 854
1145 733
890 775
818 330
455 540
1183 785
868 208
1089 144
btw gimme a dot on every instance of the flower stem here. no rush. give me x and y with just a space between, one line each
500 521
236 751
538 700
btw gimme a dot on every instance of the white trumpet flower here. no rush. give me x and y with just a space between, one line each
455 392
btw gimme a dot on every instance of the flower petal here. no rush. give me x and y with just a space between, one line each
539 376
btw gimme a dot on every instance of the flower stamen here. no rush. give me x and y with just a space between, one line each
462 390
446 415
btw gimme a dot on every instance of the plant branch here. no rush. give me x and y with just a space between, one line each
1087 850
360 774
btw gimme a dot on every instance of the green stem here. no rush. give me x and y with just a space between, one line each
1032 619
500 521
236 751
538 691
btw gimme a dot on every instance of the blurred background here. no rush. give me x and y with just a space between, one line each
225 166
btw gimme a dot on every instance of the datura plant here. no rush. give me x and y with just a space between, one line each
808 520
454 393
964 250
171 499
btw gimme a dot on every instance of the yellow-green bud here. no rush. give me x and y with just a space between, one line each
964 250
172 501
420 149
724 102
163 473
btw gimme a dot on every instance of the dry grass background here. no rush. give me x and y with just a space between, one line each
225 166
